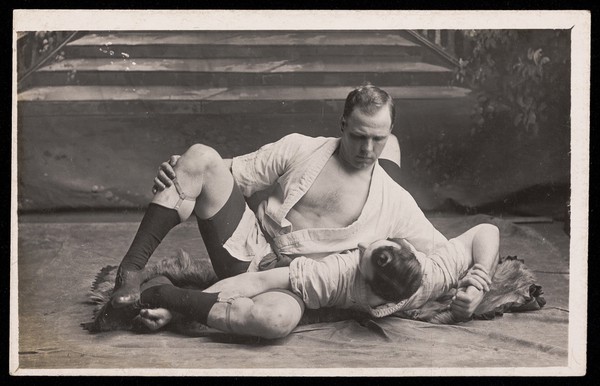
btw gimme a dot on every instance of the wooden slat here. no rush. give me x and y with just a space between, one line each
252 38
243 65
278 93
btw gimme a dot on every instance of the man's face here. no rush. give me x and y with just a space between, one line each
364 136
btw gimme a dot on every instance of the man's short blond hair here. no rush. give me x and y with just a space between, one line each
369 99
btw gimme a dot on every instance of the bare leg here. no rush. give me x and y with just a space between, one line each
269 315
205 181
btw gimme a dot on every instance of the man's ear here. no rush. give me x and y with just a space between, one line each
342 123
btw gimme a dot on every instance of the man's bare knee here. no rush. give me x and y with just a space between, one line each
274 322
198 160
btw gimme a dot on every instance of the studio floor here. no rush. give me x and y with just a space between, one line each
58 257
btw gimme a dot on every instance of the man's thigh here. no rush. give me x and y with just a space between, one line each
217 182
217 229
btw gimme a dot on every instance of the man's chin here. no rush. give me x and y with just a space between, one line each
364 163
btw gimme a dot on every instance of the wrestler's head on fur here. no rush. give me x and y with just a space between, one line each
392 271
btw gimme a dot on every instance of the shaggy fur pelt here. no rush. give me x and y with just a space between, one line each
513 289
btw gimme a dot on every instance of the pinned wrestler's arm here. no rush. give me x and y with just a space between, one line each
482 244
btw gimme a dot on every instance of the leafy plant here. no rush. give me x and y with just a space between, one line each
522 73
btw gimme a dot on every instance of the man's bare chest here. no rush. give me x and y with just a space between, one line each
335 197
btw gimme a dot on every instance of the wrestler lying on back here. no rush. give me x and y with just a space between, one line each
380 278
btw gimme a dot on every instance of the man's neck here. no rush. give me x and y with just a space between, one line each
348 167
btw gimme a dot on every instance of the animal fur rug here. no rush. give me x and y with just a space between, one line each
513 289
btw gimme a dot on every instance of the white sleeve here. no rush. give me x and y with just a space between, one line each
412 225
318 282
259 170
449 263
441 271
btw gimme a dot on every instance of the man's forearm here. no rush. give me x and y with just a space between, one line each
250 284
485 248
484 241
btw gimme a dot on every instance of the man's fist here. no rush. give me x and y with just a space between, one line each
465 303
478 277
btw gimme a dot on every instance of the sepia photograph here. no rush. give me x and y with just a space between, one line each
299 193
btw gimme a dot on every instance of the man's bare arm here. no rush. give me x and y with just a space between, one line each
482 243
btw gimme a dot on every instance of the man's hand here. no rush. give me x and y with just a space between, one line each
478 277
465 302
273 260
166 174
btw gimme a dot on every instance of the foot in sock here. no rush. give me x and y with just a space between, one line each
110 318
127 288
193 304
155 225
155 318
126 316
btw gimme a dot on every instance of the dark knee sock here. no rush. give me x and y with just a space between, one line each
158 280
391 169
194 304
155 225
